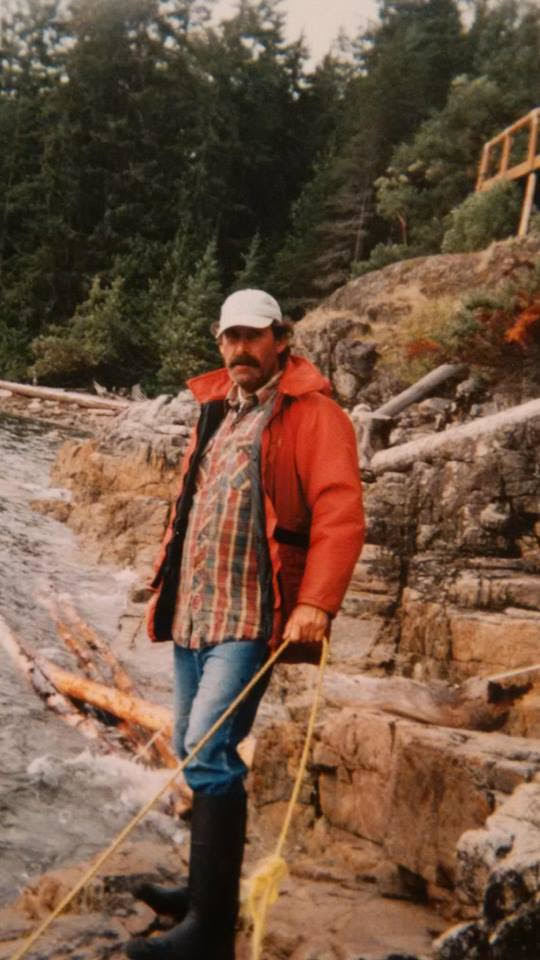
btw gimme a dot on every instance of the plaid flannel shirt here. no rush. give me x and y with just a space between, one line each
219 596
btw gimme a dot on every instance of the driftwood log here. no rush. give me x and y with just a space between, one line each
422 388
64 396
480 703
126 706
477 704
377 424
42 685
92 640
437 444
59 688
100 664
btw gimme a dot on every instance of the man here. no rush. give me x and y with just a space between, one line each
264 538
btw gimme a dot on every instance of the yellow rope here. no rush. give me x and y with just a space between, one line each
91 872
262 888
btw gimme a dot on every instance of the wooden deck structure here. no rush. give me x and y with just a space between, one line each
499 161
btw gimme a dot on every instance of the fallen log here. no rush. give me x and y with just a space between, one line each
438 444
87 642
124 705
93 654
64 396
377 424
422 388
43 686
480 703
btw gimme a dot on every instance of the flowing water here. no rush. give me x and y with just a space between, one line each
61 798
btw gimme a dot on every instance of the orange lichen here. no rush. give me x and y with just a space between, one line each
421 347
524 323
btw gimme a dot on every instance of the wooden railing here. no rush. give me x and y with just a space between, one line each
498 161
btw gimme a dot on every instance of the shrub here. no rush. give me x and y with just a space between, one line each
108 338
418 344
381 256
482 218
534 223
187 346
14 355
499 332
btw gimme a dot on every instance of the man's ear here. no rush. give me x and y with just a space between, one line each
282 344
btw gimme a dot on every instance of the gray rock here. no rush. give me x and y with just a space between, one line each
465 941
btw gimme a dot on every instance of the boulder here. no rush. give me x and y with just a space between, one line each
498 877
416 789
345 331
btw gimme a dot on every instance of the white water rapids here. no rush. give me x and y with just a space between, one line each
61 798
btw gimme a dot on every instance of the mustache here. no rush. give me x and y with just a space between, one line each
244 361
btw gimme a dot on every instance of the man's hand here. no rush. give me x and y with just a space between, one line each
306 624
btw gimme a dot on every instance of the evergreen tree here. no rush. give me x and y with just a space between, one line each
134 131
187 345
112 335
406 64
434 173
252 273
504 45
29 62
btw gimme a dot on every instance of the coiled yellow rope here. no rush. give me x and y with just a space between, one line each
262 888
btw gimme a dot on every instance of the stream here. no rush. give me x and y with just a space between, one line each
62 797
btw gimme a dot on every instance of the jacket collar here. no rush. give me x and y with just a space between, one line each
299 377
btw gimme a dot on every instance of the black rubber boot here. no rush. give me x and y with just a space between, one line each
207 932
167 901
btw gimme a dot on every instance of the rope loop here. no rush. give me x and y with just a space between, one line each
261 891
262 888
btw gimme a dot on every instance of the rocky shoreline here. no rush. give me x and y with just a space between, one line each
402 822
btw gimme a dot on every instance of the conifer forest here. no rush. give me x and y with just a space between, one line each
152 160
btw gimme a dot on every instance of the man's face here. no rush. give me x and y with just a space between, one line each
251 356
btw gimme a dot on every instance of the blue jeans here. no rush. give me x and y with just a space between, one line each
206 681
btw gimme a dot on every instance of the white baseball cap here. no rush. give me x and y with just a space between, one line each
248 308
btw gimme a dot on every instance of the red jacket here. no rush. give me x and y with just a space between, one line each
310 500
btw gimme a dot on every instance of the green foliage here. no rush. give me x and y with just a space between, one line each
126 120
14 353
434 172
110 336
483 217
99 341
293 271
489 331
504 46
405 67
133 131
381 256
409 61
431 175
186 344
252 273
534 223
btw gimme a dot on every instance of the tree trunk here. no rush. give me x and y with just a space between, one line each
422 388
64 396
478 704
123 705
376 426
